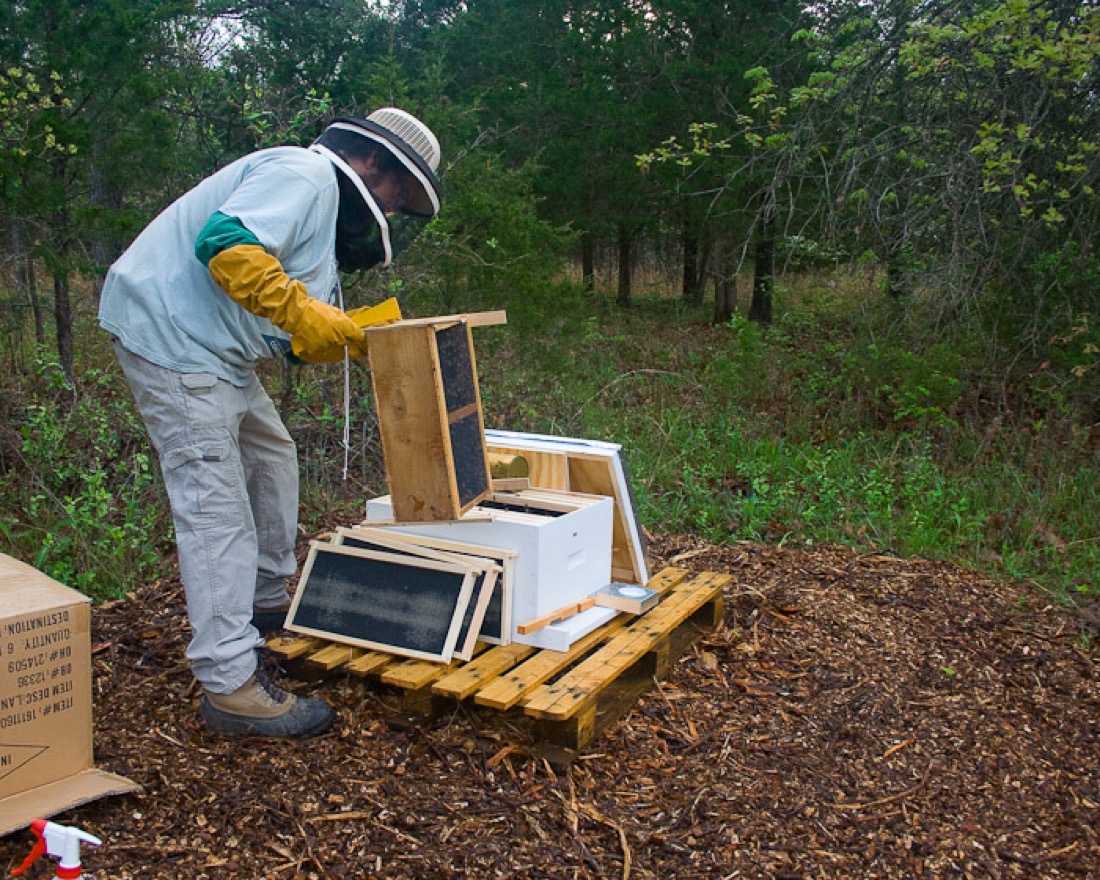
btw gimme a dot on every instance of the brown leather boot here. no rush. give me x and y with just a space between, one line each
260 708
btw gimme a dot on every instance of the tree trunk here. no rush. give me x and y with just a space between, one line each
626 242
897 285
690 243
706 264
63 314
61 269
763 282
588 261
725 280
31 281
26 282
104 247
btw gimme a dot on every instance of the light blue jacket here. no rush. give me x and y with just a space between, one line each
160 300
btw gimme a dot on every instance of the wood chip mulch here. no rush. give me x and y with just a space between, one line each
855 717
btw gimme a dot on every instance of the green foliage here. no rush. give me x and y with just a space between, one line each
488 248
806 432
966 139
270 130
85 492
726 482
797 253
703 145
25 108
1022 41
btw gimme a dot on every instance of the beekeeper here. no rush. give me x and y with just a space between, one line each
243 267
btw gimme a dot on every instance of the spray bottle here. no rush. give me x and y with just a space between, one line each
58 842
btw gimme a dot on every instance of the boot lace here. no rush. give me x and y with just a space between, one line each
264 679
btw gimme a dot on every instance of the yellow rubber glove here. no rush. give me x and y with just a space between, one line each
367 316
256 280
328 354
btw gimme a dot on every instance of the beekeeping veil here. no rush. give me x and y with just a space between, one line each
365 235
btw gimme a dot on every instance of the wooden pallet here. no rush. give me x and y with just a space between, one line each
567 698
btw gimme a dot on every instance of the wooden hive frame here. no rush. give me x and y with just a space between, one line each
495 627
400 602
586 466
424 377
488 585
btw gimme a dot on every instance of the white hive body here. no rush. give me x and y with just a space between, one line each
563 555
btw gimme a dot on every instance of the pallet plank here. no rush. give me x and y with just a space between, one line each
293 648
667 578
333 656
642 636
467 679
506 692
369 662
416 674
578 687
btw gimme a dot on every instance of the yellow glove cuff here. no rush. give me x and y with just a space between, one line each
327 354
257 282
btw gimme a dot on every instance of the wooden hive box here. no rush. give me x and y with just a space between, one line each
591 467
430 418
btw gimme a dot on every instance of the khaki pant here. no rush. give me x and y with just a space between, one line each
231 471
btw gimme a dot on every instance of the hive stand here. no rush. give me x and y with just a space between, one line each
561 701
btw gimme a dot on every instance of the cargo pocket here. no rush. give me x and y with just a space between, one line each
204 482
204 404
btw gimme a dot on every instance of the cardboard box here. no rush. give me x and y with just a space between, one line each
45 700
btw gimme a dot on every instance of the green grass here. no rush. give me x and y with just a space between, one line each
847 421
82 496
844 422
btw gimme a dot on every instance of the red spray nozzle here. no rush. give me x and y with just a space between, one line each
59 842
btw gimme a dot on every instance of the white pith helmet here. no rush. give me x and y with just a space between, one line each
408 140
412 131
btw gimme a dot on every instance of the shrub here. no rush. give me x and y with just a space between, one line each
91 511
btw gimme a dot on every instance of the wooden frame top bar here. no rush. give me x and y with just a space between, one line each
473 319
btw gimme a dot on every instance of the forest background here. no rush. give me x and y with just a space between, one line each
826 270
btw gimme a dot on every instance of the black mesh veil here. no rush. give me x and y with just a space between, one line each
365 235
